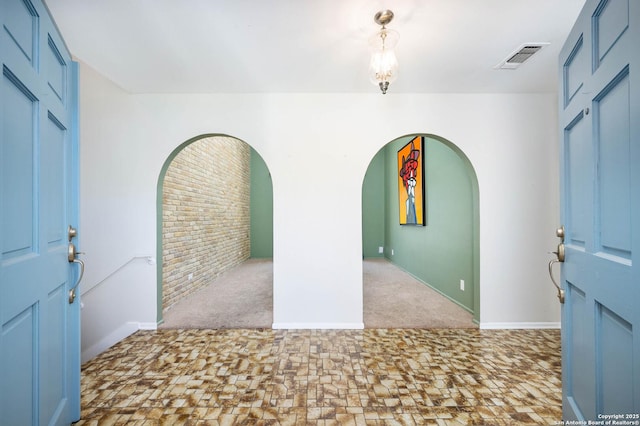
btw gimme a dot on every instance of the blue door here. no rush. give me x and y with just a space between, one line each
39 327
600 173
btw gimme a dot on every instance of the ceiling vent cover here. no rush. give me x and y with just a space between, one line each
520 55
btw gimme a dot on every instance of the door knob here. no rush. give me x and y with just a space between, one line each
71 232
560 252
71 252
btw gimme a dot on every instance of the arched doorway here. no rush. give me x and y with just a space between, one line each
444 253
214 212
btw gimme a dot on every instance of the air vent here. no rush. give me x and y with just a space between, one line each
520 55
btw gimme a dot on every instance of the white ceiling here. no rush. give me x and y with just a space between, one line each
248 46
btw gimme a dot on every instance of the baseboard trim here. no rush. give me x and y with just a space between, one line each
114 337
518 325
147 326
318 325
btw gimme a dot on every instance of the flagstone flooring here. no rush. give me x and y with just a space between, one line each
326 377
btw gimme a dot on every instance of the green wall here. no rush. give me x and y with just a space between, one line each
373 206
261 208
439 254
444 251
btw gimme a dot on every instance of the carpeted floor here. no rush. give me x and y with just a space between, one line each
394 299
243 298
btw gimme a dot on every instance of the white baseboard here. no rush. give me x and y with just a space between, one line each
518 325
318 325
147 326
114 337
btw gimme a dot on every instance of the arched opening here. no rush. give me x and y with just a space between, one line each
442 256
214 215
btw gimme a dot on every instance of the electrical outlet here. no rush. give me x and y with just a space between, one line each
190 277
380 249
392 253
462 285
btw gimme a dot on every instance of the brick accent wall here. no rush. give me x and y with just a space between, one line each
206 221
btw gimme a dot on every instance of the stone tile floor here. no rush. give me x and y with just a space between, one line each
326 377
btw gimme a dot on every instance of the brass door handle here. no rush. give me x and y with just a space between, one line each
71 257
553 280
559 259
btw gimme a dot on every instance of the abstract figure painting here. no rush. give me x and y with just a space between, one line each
411 182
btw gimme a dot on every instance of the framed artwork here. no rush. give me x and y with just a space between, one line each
411 182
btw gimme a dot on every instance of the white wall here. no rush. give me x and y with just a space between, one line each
317 147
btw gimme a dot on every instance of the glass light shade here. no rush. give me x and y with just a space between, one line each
383 66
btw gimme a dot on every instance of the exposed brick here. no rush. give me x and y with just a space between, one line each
205 228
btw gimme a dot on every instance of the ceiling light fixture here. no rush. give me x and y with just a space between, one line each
383 68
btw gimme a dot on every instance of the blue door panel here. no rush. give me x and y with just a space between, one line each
53 181
19 351
21 29
614 357
612 127
574 71
600 149
580 346
39 335
56 69
578 218
614 276
53 354
610 20
18 184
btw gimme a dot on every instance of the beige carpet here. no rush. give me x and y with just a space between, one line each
243 298
394 299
